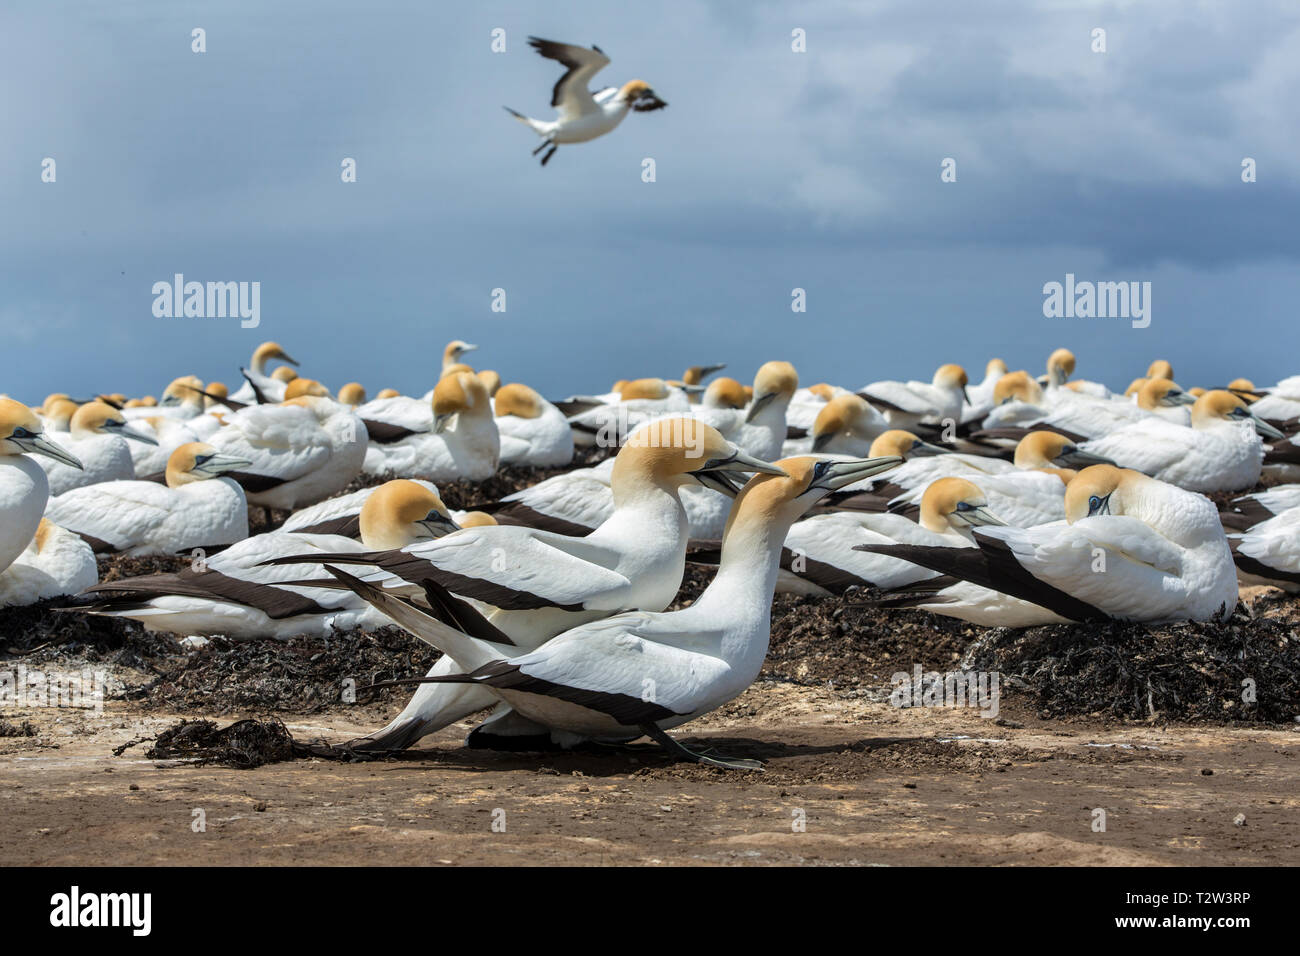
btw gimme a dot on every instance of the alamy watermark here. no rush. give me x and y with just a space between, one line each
208 300
22 687
1100 300
921 688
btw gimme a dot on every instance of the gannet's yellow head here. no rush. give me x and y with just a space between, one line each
456 368
284 374
902 444
1048 451
669 452
1223 406
186 390
725 393
618 386
1160 369
845 414
1241 385
638 95
97 418
823 390
198 461
454 350
773 501
774 383
955 504
995 369
50 399
216 392
950 376
1060 366
58 414
647 388
352 394
1196 391
1135 386
1099 490
1161 393
698 373
400 512
461 393
491 381
388 393
21 433
519 401
1019 387
477 519
266 353
305 387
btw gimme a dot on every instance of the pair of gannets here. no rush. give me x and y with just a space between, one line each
1131 548
238 595
534 584
641 672
24 487
909 404
98 440
1221 451
584 115
196 508
454 435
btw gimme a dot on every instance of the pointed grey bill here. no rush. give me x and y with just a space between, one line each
38 444
758 404
220 464
838 474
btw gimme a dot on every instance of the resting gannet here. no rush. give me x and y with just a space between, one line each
57 562
1269 552
606 424
353 393
760 429
909 404
98 440
1132 548
537 583
583 115
1249 510
259 384
847 425
643 672
724 393
24 488
298 452
56 413
236 594
532 430
1222 451
452 436
195 509
1280 403
807 404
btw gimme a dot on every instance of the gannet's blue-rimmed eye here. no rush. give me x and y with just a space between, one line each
965 506
819 469
201 460
21 432
1094 504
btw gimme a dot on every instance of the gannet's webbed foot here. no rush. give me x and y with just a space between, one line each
547 158
681 753
544 143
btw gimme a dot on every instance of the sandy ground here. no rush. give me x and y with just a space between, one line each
848 781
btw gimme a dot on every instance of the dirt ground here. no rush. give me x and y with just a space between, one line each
848 781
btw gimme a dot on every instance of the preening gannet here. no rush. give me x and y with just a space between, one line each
641 672
197 507
532 430
237 594
260 385
1132 548
909 404
453 436
56 563
98 439
24 488
583 115
538 583
847 425
1222 451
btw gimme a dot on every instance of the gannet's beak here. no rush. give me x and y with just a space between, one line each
468 348
965 395
980 516
291 361
758 404
1264 428
718 481
923 449
438 524
121 428
837 474
739 461
1072 456
707 370
220 464
1176 396
38 444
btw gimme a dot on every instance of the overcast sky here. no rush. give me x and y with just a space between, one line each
775 170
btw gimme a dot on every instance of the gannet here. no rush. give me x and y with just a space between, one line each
532 430
1060 367
847 425
1249 510
606 424
236 594
196 508
56 413
724 392
454 351
583 115
760 429
981 396
643 672
806 405
24 488
909 404
1281 403
55 563
258 380
1074 413
299 451
537 583
1222 451
453 436
1131 548
98 439
1269 552
353 393
491 381
696 374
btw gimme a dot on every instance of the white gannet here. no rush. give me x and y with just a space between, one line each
24 488
760 428
643 672
583 115
1074 413
847 425
452 436
532 430
807 405
1222 451
724 392
259 384
56 413
341 514
606 423
536 583
298 452
1281 403
57 562
1249 510
98 439
195 509
236 594
1132 548
1269 552
909 404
